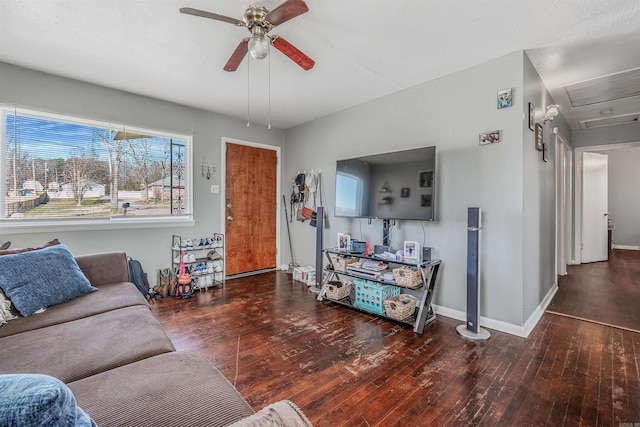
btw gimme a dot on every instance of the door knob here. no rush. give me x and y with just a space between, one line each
229 218
229 205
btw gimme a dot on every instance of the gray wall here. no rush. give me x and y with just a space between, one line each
449 113
28 88
624 195
539 213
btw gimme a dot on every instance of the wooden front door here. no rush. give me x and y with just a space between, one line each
250 213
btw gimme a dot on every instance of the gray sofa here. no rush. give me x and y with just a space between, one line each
122 368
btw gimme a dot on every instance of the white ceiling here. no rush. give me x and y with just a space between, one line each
364 49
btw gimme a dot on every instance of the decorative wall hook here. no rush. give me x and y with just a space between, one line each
207 168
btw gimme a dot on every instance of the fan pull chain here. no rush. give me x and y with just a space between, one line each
248 91
269 90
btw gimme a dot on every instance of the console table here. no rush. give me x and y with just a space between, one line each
423 313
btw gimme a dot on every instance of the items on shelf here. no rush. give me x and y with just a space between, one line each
384 288
400 306
203 259
370 296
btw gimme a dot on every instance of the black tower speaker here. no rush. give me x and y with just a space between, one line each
319 245
472 328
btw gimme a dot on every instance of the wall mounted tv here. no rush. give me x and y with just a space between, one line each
398 185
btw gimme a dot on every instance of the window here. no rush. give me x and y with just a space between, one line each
59 168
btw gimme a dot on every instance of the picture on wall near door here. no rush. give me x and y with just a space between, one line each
425 200
404 192
545 152
532 116
539 139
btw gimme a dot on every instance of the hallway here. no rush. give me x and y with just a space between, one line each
607 293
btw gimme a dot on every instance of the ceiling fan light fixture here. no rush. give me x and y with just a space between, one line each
259 45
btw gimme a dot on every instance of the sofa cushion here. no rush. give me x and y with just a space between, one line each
39 279
28 400
74 350
179 388
110 297
104 268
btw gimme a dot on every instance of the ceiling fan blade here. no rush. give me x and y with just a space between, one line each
237 56
286 11
211 15
292 52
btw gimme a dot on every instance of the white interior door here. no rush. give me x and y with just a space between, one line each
594 207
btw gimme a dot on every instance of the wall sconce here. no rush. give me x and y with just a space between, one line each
550 113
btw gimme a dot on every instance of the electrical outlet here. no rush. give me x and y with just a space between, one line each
215 189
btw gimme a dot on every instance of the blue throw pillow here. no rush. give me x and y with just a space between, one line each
29 400
39 279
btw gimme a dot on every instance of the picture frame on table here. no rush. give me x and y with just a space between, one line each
411 250
344 242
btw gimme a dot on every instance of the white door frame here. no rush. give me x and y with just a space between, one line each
223 186
563 204
577 218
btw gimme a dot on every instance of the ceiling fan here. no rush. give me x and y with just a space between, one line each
259 21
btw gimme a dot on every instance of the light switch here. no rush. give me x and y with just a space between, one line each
215 189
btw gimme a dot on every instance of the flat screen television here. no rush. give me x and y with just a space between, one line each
398 185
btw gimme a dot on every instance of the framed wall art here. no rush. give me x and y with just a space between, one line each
532 116
545 152
404 192
490 137
505 99
539 140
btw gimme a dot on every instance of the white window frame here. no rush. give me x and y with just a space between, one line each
112 223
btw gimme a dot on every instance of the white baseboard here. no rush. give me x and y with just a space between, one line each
535 317
629 248
499 325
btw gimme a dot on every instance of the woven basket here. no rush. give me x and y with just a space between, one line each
407 277
332 291
401 306
340 262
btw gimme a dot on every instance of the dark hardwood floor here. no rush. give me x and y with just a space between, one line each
604 292
273 340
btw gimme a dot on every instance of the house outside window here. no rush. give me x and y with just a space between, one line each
61 169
